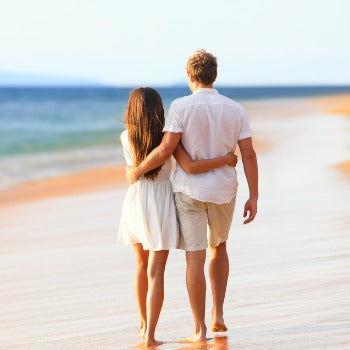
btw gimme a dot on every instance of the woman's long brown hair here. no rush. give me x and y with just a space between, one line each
144 120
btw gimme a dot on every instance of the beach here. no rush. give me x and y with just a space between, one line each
67 284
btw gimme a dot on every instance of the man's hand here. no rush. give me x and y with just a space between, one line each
131 175
251 206
231 159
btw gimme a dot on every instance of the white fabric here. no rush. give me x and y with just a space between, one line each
211 125
148 213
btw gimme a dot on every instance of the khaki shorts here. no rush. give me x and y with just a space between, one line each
202 223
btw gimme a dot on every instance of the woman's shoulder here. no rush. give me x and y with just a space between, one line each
126 147
124 135
124 138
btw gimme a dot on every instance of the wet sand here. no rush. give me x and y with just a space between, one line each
79 182
66 284
90 180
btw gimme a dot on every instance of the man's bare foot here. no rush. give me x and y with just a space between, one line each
218 323
197 338
141 332
152 342
216 327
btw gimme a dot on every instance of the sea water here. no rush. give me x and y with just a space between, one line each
51 131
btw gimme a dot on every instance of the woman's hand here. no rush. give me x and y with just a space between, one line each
231 159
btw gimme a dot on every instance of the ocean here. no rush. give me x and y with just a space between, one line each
51 131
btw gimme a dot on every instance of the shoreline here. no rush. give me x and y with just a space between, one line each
104 177
84 181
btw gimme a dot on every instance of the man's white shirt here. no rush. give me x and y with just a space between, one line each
211 125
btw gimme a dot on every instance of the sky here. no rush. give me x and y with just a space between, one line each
256 42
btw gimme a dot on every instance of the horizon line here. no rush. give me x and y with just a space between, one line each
131 86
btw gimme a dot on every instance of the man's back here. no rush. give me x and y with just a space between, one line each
211 125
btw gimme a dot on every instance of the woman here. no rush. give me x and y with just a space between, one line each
148 219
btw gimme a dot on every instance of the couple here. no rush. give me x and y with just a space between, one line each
193 211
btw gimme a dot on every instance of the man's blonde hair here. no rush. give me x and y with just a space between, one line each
202 66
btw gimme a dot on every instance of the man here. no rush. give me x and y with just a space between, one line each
209 125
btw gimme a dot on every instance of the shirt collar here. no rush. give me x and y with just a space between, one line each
206 90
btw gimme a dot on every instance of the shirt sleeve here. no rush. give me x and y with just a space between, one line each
245 128
173 121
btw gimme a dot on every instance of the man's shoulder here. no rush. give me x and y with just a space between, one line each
231 102
181 102
184 102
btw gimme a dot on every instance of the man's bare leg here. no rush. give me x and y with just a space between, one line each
155 295
195 282
218 273
141 285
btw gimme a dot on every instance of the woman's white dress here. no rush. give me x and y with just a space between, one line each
149 213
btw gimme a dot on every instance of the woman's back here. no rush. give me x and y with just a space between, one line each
165 171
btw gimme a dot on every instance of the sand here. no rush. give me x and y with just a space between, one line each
66 284
84 181
345 168
79 182
338 104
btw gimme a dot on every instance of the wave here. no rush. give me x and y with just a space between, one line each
19 168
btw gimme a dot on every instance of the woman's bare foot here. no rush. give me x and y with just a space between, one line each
152 342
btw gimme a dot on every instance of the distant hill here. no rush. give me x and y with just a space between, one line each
28 79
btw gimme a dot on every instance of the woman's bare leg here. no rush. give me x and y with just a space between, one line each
155 296
141 285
